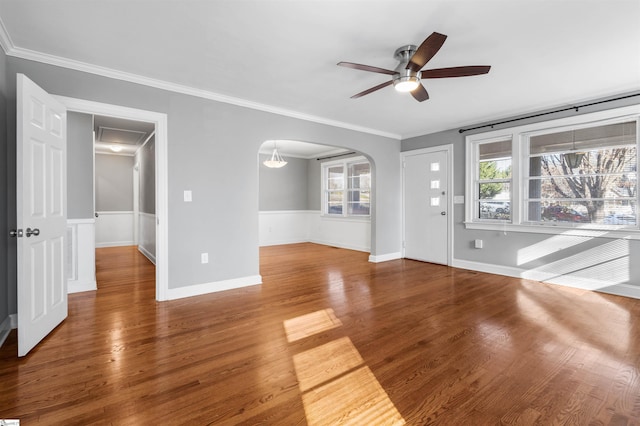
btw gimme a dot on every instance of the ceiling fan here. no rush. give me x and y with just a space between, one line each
407 76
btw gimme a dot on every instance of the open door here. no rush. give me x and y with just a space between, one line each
41 213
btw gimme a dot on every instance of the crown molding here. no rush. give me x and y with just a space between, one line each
5 41
18 52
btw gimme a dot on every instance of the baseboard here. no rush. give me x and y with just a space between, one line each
385 257
206 288
340 245
115 244
563 280
283 242
9 323
5 329
147 254
80 286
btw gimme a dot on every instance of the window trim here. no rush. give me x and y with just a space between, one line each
520 139
345 163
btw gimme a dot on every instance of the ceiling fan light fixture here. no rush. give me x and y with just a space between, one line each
406 83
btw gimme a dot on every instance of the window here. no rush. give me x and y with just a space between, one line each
493 185
584 175
347 187
577 172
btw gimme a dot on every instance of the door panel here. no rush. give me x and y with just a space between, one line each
41 213
426 192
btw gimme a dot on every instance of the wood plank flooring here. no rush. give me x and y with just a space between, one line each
328 339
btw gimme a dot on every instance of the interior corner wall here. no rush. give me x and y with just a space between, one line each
7 302
222 218
146 159
314 182
501 249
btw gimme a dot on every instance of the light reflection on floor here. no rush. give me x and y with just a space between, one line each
337 388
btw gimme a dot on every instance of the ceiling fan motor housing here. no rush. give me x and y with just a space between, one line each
404 76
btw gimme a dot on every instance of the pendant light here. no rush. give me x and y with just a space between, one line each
574 158
276 161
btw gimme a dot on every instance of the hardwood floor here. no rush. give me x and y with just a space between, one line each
329 338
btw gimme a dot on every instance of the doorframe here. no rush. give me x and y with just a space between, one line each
160 121
448 149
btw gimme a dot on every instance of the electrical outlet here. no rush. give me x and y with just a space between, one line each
204 257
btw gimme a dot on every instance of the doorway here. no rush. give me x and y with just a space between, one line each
427 204
160 202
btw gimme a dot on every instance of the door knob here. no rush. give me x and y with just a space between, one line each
31 232
443 213
15 233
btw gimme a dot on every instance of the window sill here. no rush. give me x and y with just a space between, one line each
593 231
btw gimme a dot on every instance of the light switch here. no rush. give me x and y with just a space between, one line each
204 257
187 196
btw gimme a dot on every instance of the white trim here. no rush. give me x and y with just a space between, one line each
89 221
31 55
162 185
450 195
593 231
354 247
124 243
206 288
385 257
563 280
5 39
147 254
114 212
5 329
14 321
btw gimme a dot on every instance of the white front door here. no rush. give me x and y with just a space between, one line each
426 206
41 213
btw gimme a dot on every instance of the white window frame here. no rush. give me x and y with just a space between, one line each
520 154
344 163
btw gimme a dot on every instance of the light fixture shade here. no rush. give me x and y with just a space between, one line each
276 161
406 83
116 148
574 159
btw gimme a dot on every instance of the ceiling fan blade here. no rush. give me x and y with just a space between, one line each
366 68
420 93
426 51
373 89
455 71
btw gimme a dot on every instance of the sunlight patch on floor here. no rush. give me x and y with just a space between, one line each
310 324
337 387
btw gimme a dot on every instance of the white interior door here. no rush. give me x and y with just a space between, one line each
41 213
426 192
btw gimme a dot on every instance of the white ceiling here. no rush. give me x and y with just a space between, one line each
125 135
282 55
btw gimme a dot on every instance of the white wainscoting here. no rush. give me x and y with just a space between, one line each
114 229
147 237
81 255
298 226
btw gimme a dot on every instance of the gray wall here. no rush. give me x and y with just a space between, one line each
114 183
314 187
79 166
223 217
7 245
146 160
284 188
501 248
